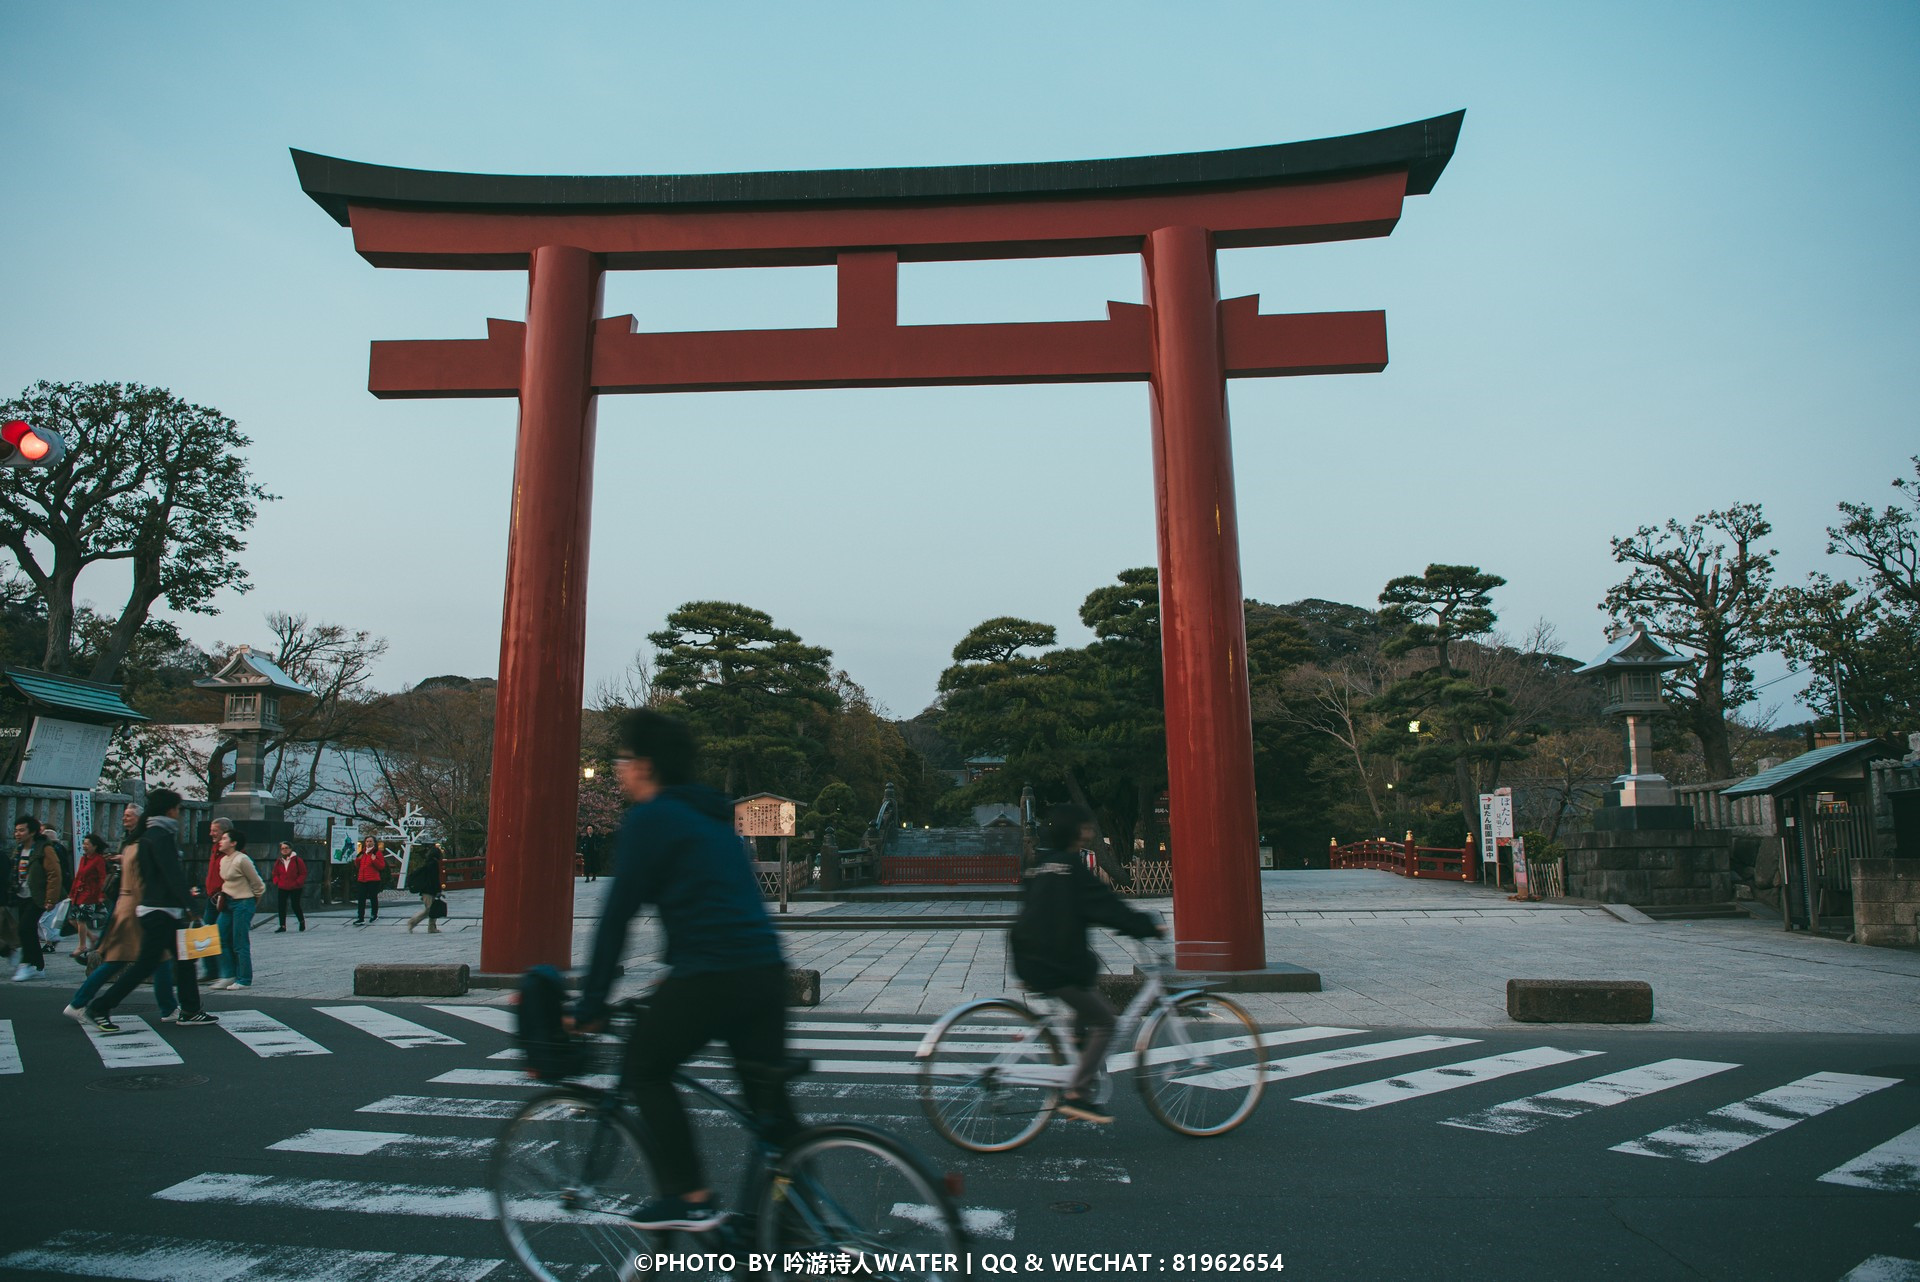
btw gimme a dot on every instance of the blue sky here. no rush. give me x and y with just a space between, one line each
1672 266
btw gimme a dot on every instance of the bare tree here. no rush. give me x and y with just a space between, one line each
1337 700
434 750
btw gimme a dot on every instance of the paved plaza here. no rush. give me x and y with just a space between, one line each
1391 952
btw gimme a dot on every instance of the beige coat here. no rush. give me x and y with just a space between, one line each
239 879
121 943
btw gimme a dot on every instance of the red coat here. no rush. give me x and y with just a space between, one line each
90 880
290 873
373 866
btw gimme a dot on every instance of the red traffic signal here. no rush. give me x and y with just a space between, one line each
29 446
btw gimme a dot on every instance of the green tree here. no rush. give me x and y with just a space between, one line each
757 693
1702 587
148 479
1432 614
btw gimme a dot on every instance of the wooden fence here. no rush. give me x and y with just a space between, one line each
949 870
1432 863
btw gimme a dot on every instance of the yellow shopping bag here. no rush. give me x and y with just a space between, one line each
196 942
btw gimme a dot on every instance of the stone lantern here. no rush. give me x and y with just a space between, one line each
1630 669
253 685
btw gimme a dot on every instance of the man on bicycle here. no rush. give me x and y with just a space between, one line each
1059 898
726 977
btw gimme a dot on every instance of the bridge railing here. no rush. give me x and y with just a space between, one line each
1407 859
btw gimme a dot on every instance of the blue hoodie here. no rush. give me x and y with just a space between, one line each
679 851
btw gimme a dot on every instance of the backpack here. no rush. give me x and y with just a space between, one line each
552 1052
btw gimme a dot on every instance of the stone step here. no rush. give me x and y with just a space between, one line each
1694 912
904 921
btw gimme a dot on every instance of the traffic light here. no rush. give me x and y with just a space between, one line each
29 446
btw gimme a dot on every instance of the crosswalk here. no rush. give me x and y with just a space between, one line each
1629 1107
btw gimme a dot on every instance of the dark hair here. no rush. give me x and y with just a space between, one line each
33 825
238 838
161 801
665 742
1060 825
98 842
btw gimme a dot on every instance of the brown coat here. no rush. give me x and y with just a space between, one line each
121 943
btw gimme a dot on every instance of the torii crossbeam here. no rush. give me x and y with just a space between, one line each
1184 342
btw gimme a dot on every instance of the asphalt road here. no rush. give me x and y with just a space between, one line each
223 1153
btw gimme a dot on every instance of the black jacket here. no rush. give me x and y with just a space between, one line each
163 880
425 877
1059 899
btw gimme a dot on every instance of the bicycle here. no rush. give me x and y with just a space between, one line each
992 1071
572 1166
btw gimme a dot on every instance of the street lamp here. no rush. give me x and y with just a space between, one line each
586 772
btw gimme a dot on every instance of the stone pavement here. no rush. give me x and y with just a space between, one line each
1391 952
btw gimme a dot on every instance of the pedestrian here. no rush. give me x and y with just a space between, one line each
369 870
240 891
587 848
290 879
89 895
120 944
206 897
166 904
34 886
424 881
1059 899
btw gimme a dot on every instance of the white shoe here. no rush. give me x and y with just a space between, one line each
220 983
76 1013
171 1017
25 972
234 983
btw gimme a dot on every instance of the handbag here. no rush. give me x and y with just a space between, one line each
220 902
53 919
438 910
194 942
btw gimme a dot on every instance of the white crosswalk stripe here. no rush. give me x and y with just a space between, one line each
443 1106
266 1036
1431 1081
497 1018
1325 1061
145 1258
9 1050
1884 1268
1893 1167
388 1027
1518 1117
1729 1129
385 1143
136 1045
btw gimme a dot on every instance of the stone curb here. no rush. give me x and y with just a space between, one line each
410 979
1580 1001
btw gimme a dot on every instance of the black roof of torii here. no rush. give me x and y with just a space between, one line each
1422 148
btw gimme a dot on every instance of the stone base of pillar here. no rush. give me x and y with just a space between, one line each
1274 977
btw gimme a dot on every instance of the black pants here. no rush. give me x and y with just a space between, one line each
156 943
1092 1028
364 893
746 1009
27 914
291 899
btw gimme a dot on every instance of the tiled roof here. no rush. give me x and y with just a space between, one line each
93 699
1782 777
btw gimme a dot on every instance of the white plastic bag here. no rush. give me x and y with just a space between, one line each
52 920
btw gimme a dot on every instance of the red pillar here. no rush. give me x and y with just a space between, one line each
536 744
1203 638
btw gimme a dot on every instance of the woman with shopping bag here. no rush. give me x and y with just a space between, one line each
164 907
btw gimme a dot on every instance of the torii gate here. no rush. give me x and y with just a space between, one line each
1175 211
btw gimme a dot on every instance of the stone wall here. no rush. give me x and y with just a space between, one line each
1886 902
1651 868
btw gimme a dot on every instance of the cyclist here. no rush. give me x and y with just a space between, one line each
726 977
1059 899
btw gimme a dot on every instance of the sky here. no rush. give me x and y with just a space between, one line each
1670 267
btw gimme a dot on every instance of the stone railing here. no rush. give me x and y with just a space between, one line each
1752 816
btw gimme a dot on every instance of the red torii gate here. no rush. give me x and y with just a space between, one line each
1175 211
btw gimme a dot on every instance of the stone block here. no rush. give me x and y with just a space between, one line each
410 979
1580 1001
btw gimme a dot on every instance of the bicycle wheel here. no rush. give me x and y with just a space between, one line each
566 1172
973 1082
855 1191
1200 1064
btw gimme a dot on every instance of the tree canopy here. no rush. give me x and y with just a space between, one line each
148 479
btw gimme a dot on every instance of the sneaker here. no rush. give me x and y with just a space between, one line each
105 1024
76 1013
198 1017
171 1016
24 972
219 984
236 984
1082 1109
677 1213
